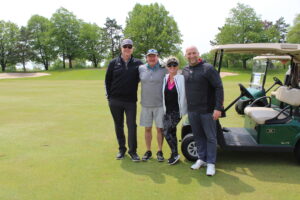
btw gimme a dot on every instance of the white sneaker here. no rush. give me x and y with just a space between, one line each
198 164
210 171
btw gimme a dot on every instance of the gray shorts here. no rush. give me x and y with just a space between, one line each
150 114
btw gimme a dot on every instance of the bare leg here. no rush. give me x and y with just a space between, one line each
148 137
160 138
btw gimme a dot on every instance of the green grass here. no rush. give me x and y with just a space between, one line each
57 142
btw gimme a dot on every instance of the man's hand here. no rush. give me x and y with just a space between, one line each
217 114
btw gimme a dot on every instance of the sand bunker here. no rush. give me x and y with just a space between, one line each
21 75
223 74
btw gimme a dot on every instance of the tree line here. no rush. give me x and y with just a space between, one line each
66 38
244 25
44 40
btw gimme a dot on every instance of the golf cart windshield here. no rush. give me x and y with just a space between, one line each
258 74
260 66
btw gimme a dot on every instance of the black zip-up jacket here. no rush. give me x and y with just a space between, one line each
204 89
121 80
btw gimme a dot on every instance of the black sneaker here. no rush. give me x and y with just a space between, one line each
120 155
134 157
160 156
173 159
147 156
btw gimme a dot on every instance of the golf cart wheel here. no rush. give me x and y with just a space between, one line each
297 151
188 147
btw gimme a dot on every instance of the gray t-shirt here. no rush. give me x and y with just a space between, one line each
152 82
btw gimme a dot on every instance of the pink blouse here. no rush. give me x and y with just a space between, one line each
170 85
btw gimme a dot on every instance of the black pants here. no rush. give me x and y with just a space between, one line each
170 122
117 109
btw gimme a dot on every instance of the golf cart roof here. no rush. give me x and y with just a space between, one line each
262 48
272 57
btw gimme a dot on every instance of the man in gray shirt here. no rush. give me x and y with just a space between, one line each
151 76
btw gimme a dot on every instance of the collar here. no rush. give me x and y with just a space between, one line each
153 68
124 60
200 62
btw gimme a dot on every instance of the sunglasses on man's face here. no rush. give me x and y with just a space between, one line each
127 46
172 65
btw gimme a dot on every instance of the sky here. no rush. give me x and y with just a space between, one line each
198 20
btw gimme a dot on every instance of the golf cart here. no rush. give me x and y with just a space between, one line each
268 128
258 79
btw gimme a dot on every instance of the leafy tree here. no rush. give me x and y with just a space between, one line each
9 35
282 28
293 35
41 41
114 33
182 60
274 32
208 57
245 26
94 43
24 51
65 32
270 32
151 26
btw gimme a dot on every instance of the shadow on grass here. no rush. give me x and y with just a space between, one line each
160 172
233 168
263 166
231 184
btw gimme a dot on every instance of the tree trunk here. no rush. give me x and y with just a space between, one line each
244 63
70 63
3 66
46 65
95 62
112 48
24 68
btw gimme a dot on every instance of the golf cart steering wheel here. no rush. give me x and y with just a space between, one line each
277 81
245 92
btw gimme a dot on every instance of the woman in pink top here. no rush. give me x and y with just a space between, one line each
174 104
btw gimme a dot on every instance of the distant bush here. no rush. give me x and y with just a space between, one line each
57 64
11 68
80 64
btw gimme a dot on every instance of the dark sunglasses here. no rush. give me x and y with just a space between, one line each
173 65
127 46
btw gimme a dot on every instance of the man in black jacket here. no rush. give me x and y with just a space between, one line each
121 81
204 93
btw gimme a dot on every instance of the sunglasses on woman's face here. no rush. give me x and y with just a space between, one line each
127 46
172 65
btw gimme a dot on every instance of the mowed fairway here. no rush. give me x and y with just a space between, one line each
57 142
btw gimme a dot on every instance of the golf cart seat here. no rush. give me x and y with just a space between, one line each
273 93
267 115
